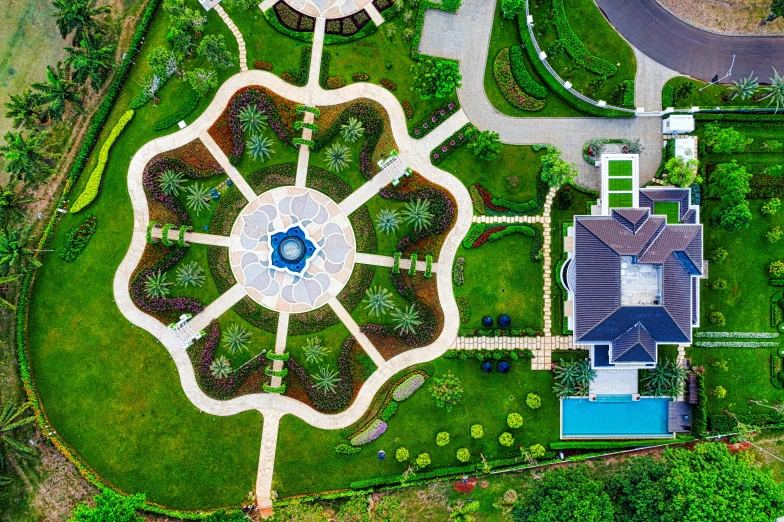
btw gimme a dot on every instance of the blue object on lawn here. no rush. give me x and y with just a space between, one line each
205 228
487 321
382 455
503 367
504 321
487 367
229 182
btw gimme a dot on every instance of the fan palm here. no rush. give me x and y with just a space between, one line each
58 91
198 197
326 379
252 119
190 274
666 379
11 202
3 302
171 182
387 220
236 338
337 157
417 212
79 17
10 420
406 319
313 350
27 158
744 88
259 147
156 284
567 374
14 253
220 367
775 90
353 130
379 301
90 61
23 109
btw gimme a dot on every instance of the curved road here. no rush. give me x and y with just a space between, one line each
691 51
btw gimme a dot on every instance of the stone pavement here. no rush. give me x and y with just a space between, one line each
193 237
389 261
280 347
230 169
353 328
316 52
237 34
217 308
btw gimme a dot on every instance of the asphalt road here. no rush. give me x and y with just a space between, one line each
691 51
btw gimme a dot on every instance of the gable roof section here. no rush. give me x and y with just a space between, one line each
656 320
671 239
621 239
634 345
597 279
631 218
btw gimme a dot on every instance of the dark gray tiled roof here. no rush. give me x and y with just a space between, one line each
619 238
649 196
597 292
634 345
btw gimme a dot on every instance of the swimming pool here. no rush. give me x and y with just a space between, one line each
614 417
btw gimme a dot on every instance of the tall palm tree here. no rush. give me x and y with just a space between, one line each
58 91
23 109
27 158
10 420
91 61
744 88
775 90
79 17
11 202
14 253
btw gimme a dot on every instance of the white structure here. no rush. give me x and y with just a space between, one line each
678 124
620 181
686 148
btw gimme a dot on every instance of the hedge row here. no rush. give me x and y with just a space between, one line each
699 423
90 191
728 424
523 77
574 47
188 107
300 76
616 444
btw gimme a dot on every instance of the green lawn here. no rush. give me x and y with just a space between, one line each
109 388
506 33
711 96
671 209
621 184
487 399
501 279
620 200
598 36
619 168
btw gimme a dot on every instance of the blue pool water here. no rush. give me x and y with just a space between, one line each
614 416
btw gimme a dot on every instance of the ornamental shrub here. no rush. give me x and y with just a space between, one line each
94 182
442 438
574 47
771 206
521 75
477 432
718 284
264 66
536 451
447 390
533 401
360 77
401 454
510 88
718 255
388 84
369 434
335 82
77 239
506 439
345 449
717 318
436 77
514 420
720 392
776 268
389 411
407 388
512 8
408 109
423 460
774 234
463 455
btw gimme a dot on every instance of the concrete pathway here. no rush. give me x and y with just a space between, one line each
280 347
364 193
304 153
353 328
389 261
226 165
193 237
374 15
269 446
316 52
217 308
266 4
648 82
237 34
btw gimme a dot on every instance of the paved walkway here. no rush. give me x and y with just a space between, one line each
353 328
280 347
316 52
193 237
237 34
374 15
230 169
304 153
389 261
688 50
217 308
269 445
266 4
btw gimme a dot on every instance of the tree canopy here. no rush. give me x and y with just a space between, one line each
555 171
436 78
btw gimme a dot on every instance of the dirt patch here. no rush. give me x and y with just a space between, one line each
726 16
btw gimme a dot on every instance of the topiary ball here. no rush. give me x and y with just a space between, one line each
504 321
487 367
487 321
503 367
780 376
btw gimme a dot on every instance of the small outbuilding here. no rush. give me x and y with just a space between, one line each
678 124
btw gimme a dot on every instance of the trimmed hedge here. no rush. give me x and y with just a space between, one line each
616 444
575 47
510 88
90 192
728 424
272 18
188 107
699 423
523 77
77 239
300 76
668 96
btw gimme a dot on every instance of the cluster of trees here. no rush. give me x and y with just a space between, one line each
730 184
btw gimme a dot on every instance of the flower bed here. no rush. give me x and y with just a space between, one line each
480 233
374 431
407 388
432 120
77 239
360 77
388 84
502 206
449 145
348 25
514 94
264 66
521 75
326 401
408 109
738 335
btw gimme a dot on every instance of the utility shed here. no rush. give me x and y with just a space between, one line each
678 124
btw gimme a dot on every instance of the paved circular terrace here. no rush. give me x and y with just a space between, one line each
294 224
328 8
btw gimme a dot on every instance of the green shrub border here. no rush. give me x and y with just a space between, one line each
150 226
617 444
272 18
165 234
97 123
181 238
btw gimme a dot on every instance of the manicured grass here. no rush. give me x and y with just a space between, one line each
596 33
487 399
507 34
711 96
109 388
619 168
621 184
620 200
671 209
387 241
501 279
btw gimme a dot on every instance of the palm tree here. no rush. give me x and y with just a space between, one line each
744 88
665 379
236 338
337 157
171 182
326 379
406 319
10 420
27 159
252 119
353 130
156 284
387 220
13 251
221 367
11 202
190 274
92 61
313 350
259 147
79 17
198 197
379 301
23 109
417 212
775 90
58 91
